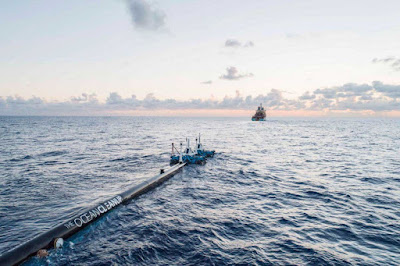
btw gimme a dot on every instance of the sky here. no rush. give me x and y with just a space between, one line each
175 57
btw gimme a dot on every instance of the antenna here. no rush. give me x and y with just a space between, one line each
180 154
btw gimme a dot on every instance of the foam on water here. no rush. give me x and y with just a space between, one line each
284 191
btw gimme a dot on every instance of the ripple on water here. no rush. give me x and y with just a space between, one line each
287 191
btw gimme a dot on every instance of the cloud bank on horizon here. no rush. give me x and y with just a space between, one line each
377 97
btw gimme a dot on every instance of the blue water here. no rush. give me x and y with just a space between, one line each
284 191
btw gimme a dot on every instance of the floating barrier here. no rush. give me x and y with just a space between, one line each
54 238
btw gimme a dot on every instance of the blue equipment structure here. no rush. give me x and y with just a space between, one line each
188 155
201 151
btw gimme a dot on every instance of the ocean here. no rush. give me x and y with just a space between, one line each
303 191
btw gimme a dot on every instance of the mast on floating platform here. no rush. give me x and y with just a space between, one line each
180 155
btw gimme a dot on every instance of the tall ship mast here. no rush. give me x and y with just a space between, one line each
260 114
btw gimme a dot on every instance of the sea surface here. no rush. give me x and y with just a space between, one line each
284 191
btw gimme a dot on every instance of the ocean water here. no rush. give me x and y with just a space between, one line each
283 191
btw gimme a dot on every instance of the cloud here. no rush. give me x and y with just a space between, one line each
145 15
207 82
249 44
233 43
391 61
233 74
292 35
391 91
307 96
345 91
85 98
376 97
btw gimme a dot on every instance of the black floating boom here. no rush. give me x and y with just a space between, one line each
71 226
